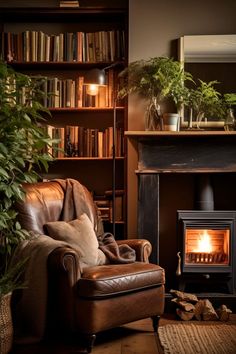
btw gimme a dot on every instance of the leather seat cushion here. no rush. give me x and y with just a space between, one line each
108 280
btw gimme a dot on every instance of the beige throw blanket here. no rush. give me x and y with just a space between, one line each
31 310
115 253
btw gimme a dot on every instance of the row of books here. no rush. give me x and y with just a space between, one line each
104 204
72 93
37 46
69 93
78 141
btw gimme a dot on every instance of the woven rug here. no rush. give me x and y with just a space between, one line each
198 339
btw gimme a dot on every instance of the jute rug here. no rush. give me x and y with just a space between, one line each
198 339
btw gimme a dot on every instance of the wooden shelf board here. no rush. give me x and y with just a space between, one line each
87 158
55 14
144 134
72 65
84 109
117 222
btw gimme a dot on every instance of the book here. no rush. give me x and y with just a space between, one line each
69 3
119 200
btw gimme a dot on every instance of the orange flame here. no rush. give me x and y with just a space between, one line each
204 243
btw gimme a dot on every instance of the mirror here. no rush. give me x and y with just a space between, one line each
209 57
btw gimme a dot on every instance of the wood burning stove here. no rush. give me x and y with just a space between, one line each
168 164
206 243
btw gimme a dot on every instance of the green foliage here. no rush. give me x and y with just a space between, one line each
157 78
205 100
23 145
11 279
230 99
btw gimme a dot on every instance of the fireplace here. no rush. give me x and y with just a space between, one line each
168 164
206 240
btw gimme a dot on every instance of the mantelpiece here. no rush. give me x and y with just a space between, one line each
166 158
185 151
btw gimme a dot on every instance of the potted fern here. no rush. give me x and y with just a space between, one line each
156 80
229 100
22 153
204 101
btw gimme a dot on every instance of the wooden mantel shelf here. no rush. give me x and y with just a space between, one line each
195 151
189 133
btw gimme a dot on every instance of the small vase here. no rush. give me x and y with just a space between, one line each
152 121
153 115
171 121
230 121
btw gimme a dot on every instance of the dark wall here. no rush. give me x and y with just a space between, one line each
154 25
154 28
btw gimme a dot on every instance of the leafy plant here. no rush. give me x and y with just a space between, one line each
11 279
23 144
230 99
155 80
204 101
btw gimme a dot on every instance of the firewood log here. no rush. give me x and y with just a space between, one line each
186 306
224 313
184 315
209 313
199 306
184 296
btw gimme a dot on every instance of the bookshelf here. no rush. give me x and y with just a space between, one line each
63 44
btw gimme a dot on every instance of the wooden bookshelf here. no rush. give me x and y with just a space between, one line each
95 172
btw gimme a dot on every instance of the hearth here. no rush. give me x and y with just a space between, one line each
168 163
206 242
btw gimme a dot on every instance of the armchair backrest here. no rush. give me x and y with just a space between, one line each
43 203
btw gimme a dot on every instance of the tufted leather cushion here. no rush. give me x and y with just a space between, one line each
115 279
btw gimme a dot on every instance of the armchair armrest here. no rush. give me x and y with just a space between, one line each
64 261
142 247
63 274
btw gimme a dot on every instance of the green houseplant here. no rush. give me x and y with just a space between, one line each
156 80
229 100
204 101
23 151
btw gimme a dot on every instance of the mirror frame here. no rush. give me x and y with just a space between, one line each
206 49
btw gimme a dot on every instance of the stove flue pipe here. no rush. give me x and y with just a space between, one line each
204 199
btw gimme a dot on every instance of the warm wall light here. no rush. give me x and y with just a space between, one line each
93 79
92 89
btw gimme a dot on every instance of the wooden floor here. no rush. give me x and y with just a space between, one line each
134 338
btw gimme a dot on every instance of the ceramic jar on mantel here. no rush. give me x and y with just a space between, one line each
170 121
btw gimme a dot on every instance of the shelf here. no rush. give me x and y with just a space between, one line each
88 158
85 109
188 133
63 65
107 49
116 222
57 14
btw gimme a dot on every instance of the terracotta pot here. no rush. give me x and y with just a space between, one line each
6 326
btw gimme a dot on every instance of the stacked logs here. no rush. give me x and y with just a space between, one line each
190 307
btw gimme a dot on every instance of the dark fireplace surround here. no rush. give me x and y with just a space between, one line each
179 154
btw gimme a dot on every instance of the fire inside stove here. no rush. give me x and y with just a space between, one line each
207 247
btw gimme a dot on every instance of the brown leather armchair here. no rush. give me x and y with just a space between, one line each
100 297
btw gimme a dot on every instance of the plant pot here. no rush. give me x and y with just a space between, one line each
170 121
6 326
